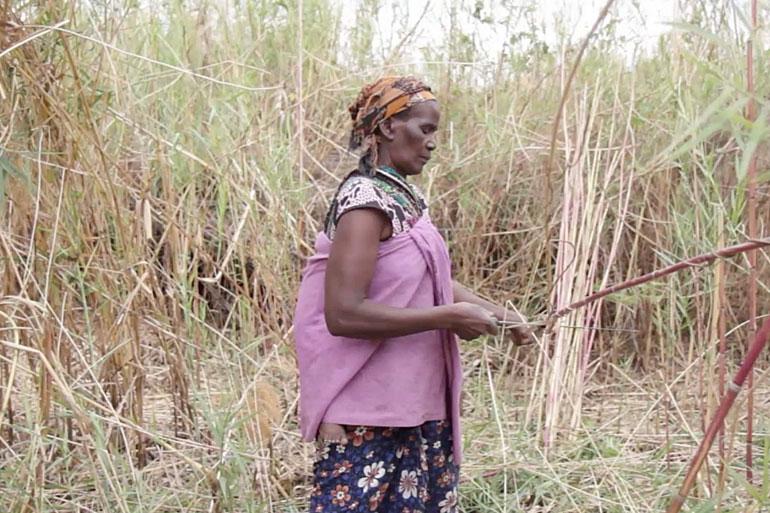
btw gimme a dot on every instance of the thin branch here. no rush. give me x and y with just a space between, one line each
705 258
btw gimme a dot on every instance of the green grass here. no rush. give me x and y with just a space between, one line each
155 220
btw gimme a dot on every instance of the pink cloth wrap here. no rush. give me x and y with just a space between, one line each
328 364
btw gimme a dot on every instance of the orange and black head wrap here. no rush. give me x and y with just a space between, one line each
377 102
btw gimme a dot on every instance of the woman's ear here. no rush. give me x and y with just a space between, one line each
386 129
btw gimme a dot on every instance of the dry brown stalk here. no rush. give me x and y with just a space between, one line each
751 213
720 307
137 376
755 349
138 170
300 113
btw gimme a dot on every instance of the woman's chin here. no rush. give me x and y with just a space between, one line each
418 169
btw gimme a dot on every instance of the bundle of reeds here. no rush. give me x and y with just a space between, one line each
163 172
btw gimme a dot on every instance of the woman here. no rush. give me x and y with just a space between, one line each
376 321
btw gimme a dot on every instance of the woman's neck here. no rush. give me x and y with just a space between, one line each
392 170
386 164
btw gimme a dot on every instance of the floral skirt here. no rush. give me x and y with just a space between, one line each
387 470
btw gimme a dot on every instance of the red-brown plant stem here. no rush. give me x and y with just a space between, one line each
755 348
705 258
751 204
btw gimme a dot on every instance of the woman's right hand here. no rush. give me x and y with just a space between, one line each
470 321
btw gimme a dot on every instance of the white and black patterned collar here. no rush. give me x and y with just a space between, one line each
396 177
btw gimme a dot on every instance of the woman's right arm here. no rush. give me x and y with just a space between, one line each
349 272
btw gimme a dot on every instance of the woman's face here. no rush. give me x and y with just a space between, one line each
412 137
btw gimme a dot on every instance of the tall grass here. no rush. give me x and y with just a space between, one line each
164 169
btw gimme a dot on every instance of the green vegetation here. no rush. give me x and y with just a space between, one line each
164 168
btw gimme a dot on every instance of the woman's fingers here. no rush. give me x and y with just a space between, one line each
472 321
522 335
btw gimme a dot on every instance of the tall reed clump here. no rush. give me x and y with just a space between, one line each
573 353
597 178
163 170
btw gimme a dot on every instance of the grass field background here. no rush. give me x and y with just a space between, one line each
163 171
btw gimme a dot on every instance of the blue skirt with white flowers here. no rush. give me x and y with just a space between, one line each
387 470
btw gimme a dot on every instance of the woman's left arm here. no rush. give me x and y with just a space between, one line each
522 334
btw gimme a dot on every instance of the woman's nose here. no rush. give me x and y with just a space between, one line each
431 144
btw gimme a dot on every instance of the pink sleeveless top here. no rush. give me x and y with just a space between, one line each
397 382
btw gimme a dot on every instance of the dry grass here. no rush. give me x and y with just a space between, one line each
155 218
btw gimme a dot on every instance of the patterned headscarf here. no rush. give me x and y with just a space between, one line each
379 101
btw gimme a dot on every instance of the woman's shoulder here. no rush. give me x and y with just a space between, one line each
356 191
357 180
360 189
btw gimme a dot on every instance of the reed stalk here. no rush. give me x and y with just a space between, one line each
751 215
755 348
721 326
592 170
